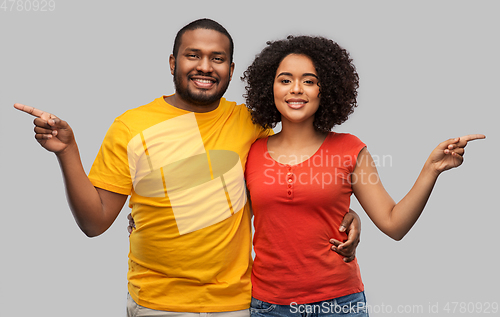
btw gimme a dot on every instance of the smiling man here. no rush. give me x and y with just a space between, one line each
181 160
202 67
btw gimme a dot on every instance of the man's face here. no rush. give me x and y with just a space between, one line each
202 70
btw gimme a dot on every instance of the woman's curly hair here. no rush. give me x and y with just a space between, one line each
338 80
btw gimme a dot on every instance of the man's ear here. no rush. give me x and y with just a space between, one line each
231 70
171 61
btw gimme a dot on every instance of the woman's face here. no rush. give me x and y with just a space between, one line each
296 89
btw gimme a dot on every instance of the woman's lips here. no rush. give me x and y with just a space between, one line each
296 104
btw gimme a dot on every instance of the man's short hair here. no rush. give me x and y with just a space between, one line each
203 24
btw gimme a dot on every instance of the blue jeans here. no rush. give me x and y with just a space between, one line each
353 305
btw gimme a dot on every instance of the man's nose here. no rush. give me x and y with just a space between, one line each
204 65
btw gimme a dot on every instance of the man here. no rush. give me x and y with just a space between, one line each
181 158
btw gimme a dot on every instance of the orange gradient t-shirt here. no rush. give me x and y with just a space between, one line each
191 249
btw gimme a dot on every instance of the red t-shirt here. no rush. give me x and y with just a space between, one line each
297 210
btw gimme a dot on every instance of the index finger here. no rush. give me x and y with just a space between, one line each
346 244
33 111
472 137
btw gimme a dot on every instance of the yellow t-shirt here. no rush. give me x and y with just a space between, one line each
191 249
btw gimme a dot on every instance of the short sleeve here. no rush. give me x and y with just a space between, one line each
352 146
110 170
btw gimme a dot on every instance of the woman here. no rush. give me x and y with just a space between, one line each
300 179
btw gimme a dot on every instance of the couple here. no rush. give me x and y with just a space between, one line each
182 158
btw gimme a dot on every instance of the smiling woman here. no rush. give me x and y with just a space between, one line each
309 85
333 66
296 89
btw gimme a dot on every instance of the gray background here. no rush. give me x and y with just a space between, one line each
428 72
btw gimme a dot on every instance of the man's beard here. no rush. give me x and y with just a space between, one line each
199 99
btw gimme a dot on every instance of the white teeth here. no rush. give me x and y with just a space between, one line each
204 81
296 102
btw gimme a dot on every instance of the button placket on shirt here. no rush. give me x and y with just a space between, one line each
289 182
